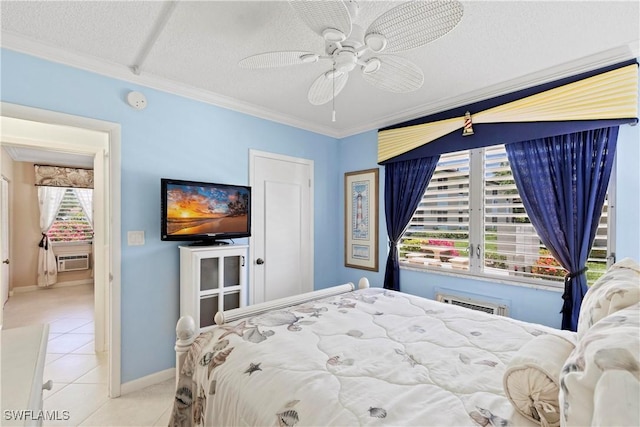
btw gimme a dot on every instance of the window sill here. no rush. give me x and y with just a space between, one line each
512 281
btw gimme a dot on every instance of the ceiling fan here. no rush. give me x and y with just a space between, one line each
347 45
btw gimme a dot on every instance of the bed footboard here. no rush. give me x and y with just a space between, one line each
186 327
186 334
223 317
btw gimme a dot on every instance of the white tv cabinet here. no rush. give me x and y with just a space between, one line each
212 279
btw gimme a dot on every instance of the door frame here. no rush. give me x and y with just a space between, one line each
253 154
107 247
5 252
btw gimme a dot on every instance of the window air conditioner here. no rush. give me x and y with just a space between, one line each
73 262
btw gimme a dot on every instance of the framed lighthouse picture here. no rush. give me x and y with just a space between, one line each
361 219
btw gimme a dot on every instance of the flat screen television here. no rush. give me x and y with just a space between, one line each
203 212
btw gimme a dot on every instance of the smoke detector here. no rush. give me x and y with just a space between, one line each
137 100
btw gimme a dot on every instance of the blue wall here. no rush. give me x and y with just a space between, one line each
173 137
360 152
181 138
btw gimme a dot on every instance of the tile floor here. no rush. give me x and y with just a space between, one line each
79 374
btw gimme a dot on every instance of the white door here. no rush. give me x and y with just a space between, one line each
282 226
4 236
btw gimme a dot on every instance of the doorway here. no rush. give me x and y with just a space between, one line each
44 130
282 226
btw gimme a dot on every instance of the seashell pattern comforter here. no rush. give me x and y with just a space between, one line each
367 357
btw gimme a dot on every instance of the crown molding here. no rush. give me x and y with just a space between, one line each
22 44
41 50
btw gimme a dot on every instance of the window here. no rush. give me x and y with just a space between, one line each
72 223
471 220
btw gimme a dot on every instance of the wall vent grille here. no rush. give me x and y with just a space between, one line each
487 307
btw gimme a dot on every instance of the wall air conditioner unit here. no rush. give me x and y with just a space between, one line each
73 262
487 307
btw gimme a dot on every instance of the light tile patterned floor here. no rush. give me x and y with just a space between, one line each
79 374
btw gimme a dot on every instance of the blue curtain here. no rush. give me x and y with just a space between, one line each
563 182
405 184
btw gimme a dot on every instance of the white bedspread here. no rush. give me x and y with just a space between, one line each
368 357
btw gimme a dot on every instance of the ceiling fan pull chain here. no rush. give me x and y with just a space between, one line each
333 94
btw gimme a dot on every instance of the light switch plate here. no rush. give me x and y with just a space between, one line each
135 238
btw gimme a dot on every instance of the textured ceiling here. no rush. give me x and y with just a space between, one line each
193 49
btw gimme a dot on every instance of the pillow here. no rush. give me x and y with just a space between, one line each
531 379
607 353
611 410
616 289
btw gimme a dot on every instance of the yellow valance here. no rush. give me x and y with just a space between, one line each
610 95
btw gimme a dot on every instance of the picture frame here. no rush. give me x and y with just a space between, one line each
361 219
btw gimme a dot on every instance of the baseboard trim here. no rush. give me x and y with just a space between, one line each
21 289
149 380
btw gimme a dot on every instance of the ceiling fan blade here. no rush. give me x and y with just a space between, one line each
415 24
322 15
395 74
277 59
324 89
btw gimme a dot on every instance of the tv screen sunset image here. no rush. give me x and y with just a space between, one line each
193 209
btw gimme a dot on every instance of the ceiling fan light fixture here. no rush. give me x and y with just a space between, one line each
345 61
375 42
333 35
371 66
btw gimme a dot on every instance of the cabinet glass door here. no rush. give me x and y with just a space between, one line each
232 266
231 300
209 273
208 310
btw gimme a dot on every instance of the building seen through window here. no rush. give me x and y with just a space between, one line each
72 222
471 220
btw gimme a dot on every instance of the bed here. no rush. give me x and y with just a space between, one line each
369 356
